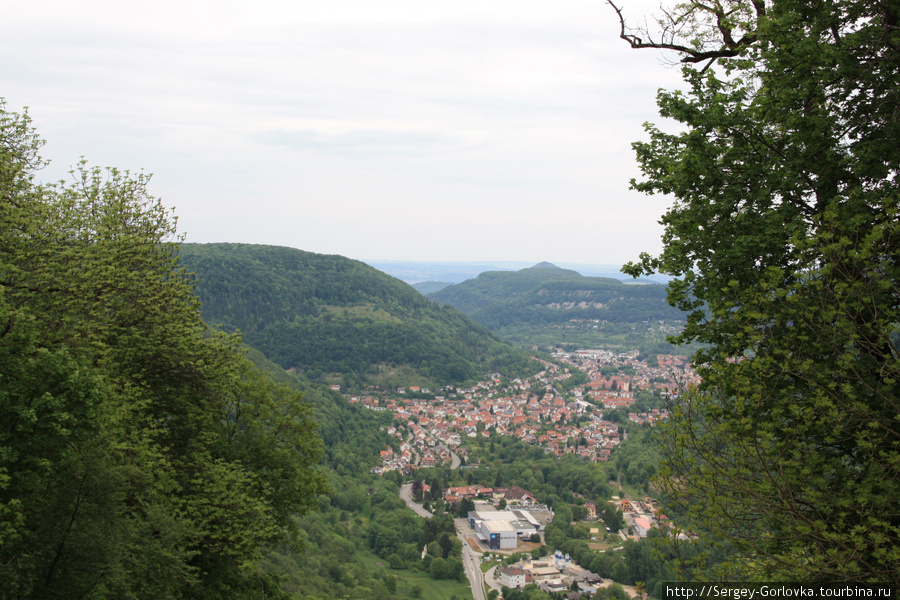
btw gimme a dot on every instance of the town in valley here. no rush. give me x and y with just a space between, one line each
542 410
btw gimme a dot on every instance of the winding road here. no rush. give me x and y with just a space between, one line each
406 496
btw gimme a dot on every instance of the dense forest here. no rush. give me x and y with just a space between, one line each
335 319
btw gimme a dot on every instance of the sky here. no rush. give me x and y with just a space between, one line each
452 130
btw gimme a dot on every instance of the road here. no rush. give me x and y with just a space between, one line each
471 560
406 496
455 462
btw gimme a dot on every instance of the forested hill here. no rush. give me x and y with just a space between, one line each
545 294
340 320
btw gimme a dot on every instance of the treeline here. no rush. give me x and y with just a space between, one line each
439 352
506 461
142 455
251 285
586 334
336 319
636 460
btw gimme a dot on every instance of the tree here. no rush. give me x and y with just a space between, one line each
613 518
466 505
784 239
445 544
437 489
579 512
141 455
396 562
562 514
440 569
417 490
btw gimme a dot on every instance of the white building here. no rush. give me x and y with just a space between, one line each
501 529
511 577
498 535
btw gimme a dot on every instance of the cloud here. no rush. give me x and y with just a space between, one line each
365 125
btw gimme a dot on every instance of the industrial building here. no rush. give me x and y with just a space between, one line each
501 529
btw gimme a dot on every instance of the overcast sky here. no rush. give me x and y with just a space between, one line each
452 130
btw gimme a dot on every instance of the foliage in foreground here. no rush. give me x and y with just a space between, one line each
785 236
141 454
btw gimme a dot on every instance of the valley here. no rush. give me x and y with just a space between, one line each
571 433
246 420
548 442
569 424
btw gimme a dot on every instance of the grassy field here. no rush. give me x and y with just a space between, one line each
630 491
431 589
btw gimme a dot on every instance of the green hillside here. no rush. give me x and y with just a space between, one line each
352 436
546 305
546 294
336 319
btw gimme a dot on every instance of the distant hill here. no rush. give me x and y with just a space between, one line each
546 294
546 265
335 319
420 272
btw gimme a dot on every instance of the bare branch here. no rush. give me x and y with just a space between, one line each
725 33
